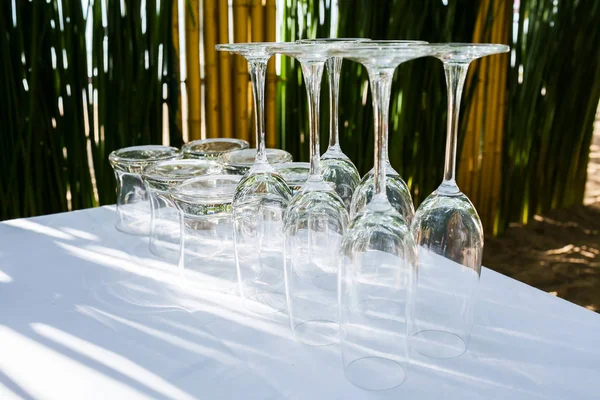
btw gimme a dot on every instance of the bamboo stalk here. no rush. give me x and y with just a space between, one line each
489 131
211 72
271 92
226 117
494 125
240 77
481 100
470 166
494 130
467 161
181 117
256 29
504 34
257 24
192 49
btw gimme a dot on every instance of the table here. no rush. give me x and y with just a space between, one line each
87 312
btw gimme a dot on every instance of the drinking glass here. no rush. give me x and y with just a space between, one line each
378 268
239 162
314 223
206 256
133 208
448 232
259 204
211 149
336 167
160 179
294 173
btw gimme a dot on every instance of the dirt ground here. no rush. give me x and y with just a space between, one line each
559 252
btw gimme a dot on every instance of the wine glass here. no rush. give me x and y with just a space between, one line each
448 232
378 268
336 167
259 204
397 190
314 223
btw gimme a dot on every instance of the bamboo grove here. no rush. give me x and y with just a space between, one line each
82 78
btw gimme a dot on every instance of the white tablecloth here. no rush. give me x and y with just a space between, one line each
86 312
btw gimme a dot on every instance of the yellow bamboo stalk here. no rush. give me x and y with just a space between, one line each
503 37
211 72
257 21
467 163
481 98
256 28
240 77
487 118
271 93
192 49
225 111
490 131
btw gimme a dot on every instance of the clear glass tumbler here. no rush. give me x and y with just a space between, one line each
160 179
207 257
212 149
133 207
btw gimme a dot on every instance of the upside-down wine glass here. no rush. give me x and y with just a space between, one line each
378 267
259 204
314 223
336 167
448 232
397 190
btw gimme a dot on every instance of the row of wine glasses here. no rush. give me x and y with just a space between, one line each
349 259
388 274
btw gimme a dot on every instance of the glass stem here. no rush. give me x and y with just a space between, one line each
258 72
313 73
455 80
381 85
334 68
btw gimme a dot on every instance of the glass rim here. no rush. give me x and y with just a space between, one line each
466 52
188 147
313 50
151 173
392 42
247 48
332 40
471 45
199 195
168 153
390 50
